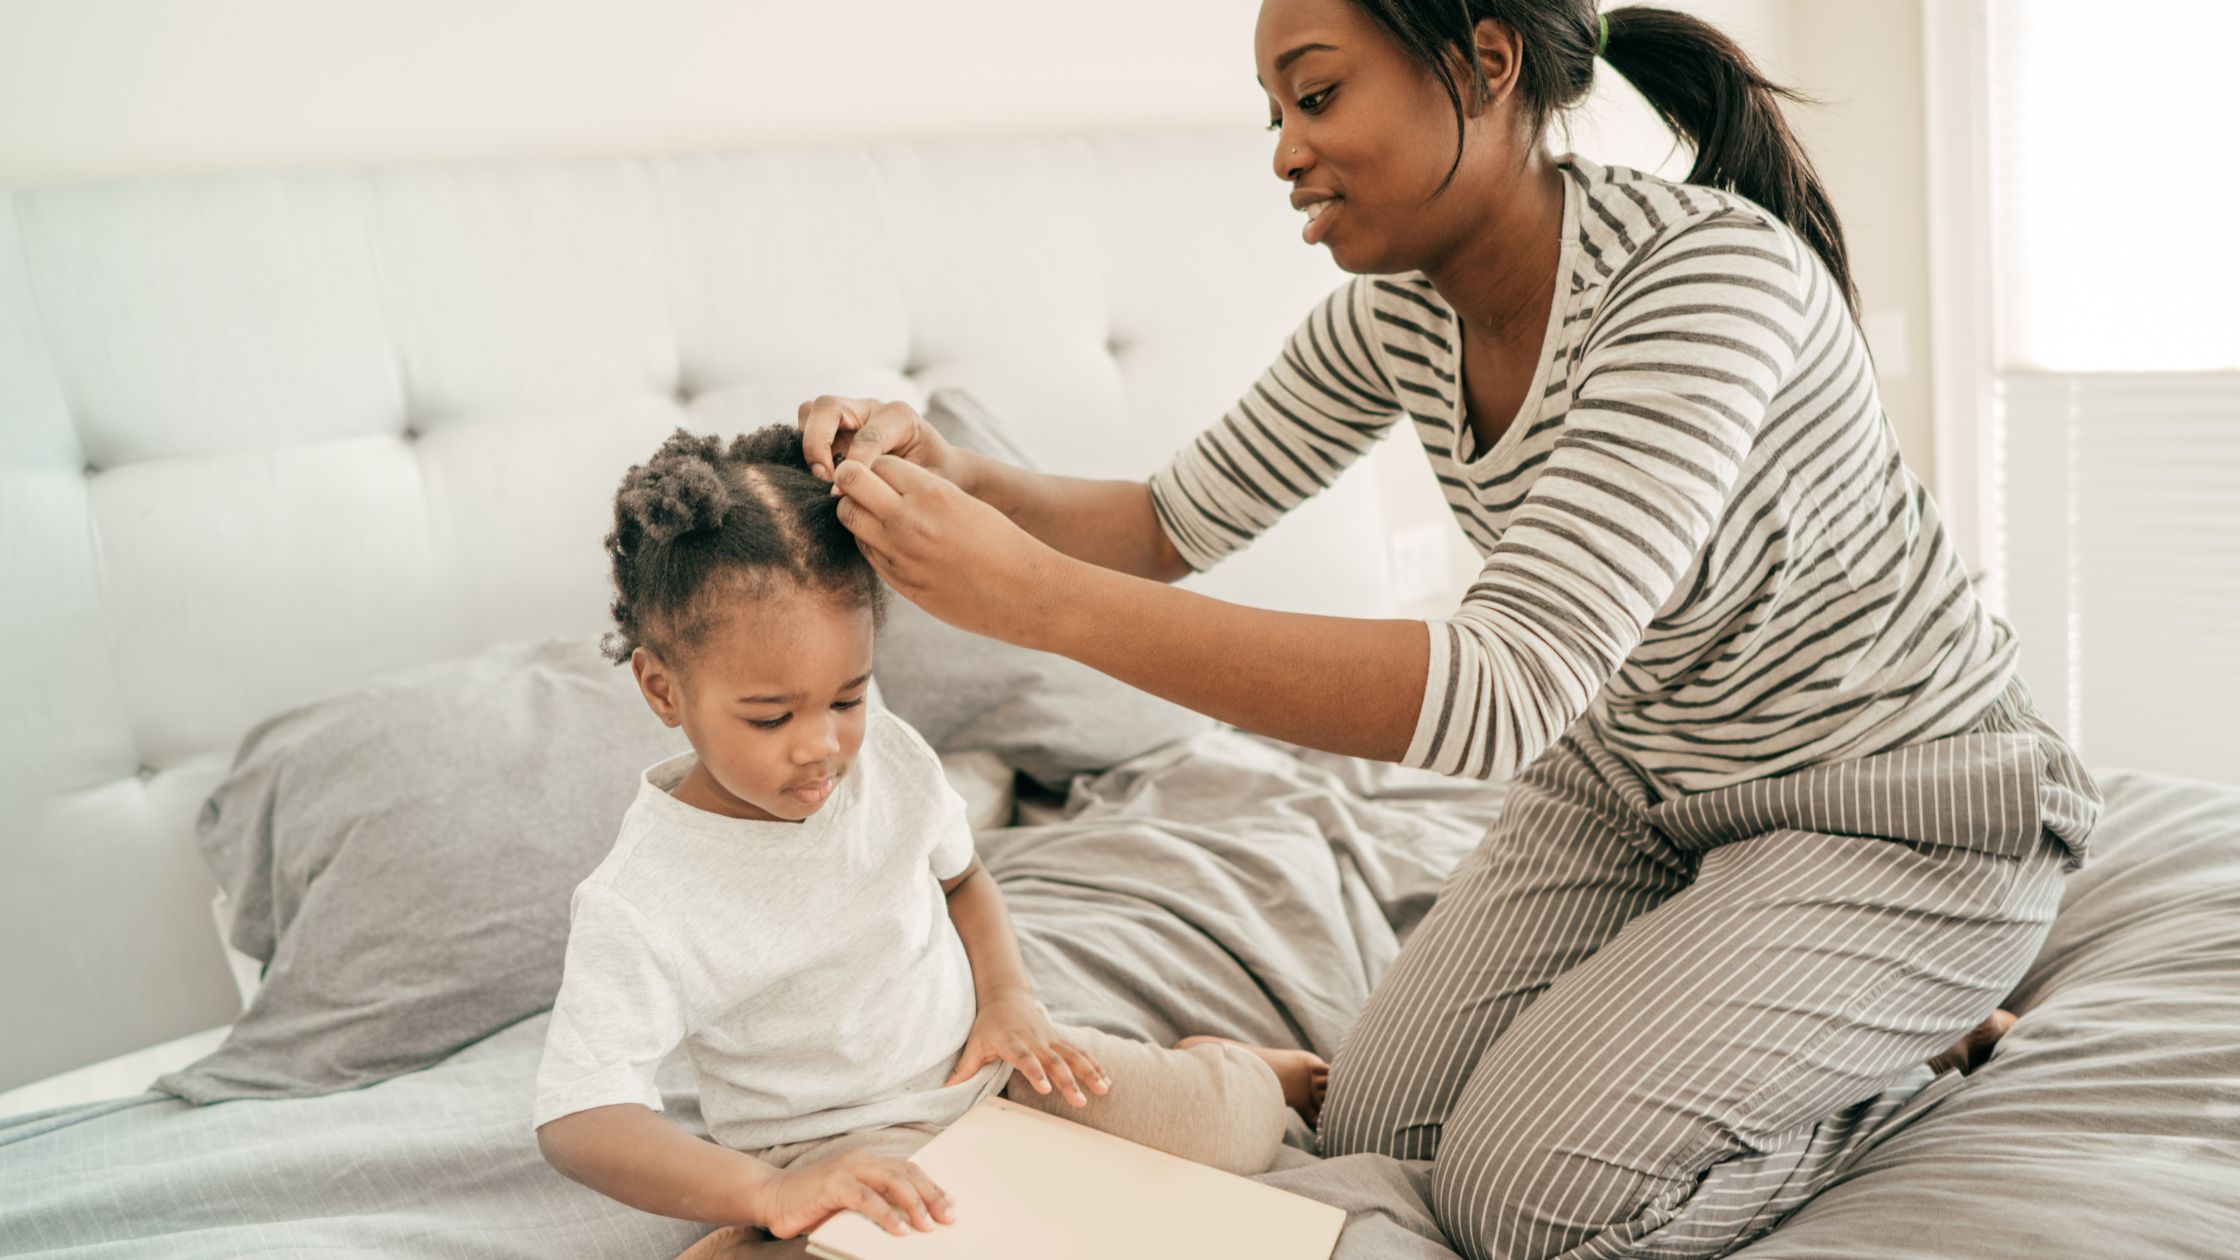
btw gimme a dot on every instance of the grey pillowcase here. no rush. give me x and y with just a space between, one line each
1045 715
400 858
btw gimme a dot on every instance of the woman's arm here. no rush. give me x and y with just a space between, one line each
1341 684
1107 523
1336 683
1315 411
1670 394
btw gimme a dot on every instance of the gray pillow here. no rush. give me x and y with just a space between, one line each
400 860
1045 715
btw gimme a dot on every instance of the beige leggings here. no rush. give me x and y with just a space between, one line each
1212 1104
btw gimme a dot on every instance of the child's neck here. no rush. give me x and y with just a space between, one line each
700 790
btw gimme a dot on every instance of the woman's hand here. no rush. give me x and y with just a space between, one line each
947 552
863 429
1014 1028
894 1194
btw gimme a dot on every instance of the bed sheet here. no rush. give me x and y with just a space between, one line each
1239 886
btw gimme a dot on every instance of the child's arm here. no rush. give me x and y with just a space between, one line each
630 1154
1011 1025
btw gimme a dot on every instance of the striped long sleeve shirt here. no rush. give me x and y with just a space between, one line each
1697 533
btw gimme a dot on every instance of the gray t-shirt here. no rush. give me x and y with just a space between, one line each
810 970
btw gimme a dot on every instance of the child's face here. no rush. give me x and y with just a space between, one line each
773 700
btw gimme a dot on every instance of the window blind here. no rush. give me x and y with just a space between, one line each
2114 188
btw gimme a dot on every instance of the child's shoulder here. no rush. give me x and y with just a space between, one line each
601 909
900 759
636 855
891 736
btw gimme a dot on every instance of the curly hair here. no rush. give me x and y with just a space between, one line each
701 522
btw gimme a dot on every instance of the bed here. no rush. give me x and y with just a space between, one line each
267 438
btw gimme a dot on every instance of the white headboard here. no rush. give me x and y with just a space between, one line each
263 437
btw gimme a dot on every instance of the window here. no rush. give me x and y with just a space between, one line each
2085 190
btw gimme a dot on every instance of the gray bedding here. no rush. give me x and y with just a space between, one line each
1237 886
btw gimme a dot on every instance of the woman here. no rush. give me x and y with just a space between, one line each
1783 821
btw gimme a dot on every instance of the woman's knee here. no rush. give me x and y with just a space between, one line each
1504 1192
1368 1111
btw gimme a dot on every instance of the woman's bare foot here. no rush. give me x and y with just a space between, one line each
1968 1053
1304 1075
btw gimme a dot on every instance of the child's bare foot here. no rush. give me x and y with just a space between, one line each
1304 1075
1968 1053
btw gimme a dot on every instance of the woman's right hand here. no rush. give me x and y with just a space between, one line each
863 429
893 1194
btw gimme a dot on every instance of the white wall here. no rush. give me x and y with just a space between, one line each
95 89
98 88
1869 138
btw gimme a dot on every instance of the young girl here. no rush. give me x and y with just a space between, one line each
797 903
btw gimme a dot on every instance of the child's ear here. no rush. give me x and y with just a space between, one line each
658 685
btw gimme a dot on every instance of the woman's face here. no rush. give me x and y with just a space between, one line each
1365 135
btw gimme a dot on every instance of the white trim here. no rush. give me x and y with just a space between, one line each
121 1077
1955 41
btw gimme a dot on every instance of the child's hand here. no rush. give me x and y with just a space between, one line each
893 1194
1014 1028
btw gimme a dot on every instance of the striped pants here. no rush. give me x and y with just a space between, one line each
1644 1027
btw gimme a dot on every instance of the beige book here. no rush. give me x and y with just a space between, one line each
1030 1186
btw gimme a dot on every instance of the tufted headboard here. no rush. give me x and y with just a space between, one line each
262 437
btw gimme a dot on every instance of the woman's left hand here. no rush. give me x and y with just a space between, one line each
947 552
1015 1029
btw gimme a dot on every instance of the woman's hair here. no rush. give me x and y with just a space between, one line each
1700 82
701 522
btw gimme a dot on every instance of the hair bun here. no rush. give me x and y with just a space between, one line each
678 491
777 445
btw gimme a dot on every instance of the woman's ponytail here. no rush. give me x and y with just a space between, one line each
1700 82
1709 93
